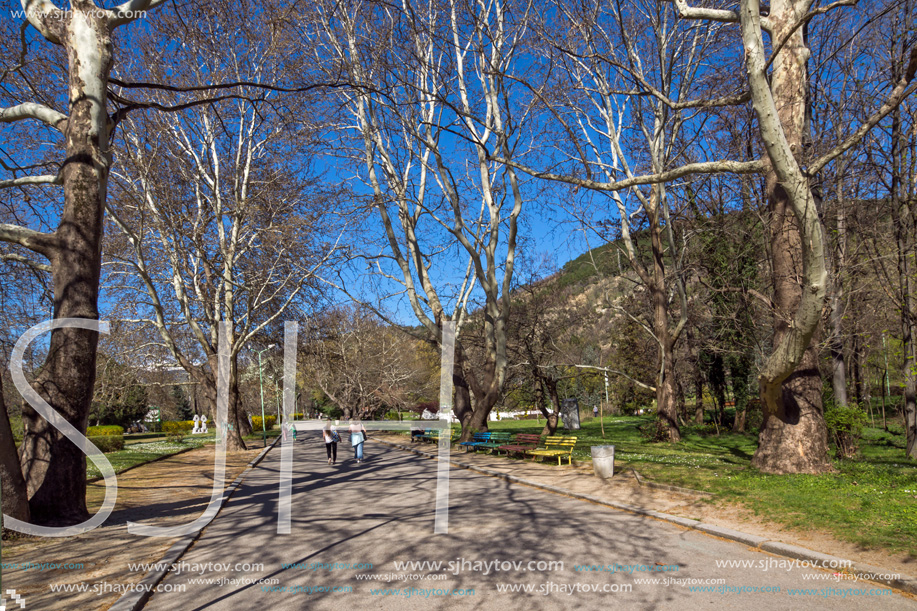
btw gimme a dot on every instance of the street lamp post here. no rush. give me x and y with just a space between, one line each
261 383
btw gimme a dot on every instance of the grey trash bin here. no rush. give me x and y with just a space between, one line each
603 461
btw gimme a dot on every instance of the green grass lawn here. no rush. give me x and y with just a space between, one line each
871 501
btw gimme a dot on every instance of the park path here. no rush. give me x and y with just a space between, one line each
380 513
625 489
171 491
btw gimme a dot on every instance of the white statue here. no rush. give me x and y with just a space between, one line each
203 424
197 425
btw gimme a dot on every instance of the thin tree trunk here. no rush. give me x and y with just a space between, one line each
907 344
552 418
857 373
836 343
739 370
666 406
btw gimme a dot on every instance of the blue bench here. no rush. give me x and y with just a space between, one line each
479 439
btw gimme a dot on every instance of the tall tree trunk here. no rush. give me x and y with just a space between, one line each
237 414
15 495
666 406
207 383
836 347
793 437
54 468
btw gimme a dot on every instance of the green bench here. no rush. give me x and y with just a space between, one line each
558 446
433 435
523 443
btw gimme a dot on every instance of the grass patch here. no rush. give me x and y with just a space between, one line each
870 501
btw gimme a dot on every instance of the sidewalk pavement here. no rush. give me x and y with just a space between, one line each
695 510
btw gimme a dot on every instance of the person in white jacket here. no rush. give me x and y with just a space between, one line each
331 439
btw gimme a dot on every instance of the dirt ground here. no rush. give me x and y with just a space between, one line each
170 491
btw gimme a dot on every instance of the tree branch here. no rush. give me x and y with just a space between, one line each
42 243
902 89
39 13
131 11
620 373
20 259
31 110
44 179
704 167
712 14
218 86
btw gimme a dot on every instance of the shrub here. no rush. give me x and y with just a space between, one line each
845 427
268 420
185 426
174 426
108 443
104 431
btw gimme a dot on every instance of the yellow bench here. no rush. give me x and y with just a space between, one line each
558 446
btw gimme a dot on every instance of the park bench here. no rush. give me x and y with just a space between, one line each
479 438
522 444
496 440
558 446
434 434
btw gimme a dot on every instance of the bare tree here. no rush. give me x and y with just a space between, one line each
363 365
431 105
54 468
216 225
793 438
604 49
892 162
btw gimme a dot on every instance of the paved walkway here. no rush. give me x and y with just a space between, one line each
624 489
362 536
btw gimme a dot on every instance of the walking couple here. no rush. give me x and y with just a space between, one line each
332 438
